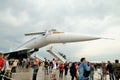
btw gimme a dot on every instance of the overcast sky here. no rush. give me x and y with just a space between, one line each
93 17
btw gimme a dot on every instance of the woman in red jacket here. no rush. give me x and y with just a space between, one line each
61 68
1 65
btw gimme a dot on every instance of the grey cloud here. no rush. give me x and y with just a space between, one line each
62 15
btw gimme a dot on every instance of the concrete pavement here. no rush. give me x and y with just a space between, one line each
26 74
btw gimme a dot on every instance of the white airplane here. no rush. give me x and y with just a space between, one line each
48 37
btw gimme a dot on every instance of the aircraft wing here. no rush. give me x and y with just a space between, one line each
19 54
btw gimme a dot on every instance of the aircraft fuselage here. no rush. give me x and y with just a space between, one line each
39 41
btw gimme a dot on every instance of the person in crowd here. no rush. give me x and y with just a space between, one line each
100 73
91 71
61 69
14 66
66 66
50 66
95 66
36 68
46 65
32 64
8 74
84 70
116 70
23 63
110 69
104 71
1 65
73 71
27 63
54 69
76 66
6 65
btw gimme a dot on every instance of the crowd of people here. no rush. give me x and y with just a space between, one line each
82 70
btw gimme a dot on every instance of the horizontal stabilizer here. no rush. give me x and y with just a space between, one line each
36 33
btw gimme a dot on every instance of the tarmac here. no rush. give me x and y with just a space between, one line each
26 74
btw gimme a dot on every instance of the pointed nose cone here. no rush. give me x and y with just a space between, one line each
82 37
88 38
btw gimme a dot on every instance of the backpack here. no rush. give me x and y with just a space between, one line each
86 73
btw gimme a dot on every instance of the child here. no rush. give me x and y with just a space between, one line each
8 74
